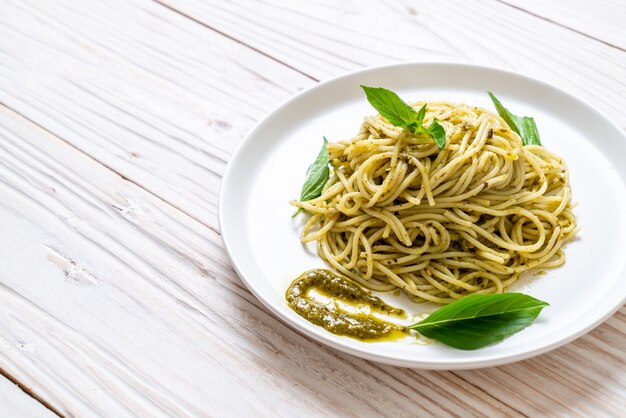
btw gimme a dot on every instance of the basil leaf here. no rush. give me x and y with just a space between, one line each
420 115
529 132
392 107
316 176
416 127
479 320
438 133
525 126
396 111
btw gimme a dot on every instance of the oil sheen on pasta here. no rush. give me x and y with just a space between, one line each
361 326
398 213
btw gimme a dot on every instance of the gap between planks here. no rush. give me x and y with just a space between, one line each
546 19
28 391
239 41
294 68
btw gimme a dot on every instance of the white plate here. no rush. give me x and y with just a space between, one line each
268 170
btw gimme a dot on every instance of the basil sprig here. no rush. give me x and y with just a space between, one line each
400 114
525 126
316 176
479 320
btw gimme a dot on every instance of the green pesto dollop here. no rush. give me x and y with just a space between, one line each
356 325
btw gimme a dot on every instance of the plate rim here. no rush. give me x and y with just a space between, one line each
452 364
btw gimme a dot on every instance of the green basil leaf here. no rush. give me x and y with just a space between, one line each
479 320
529 132
525 126
420 115
392 107
438 133
396 111
316 176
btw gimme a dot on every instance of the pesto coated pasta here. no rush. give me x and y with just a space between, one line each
398 212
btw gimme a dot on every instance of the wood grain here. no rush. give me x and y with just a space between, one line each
600 20
147 92
116 296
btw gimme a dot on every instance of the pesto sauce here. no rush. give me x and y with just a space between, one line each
356 325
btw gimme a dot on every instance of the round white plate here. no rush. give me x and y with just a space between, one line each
268 170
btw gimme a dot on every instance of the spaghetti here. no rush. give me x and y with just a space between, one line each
397 212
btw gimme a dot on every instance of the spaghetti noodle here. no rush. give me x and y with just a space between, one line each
397 212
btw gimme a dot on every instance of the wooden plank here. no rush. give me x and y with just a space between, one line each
601 20
326 38
15 403
115 303
154 96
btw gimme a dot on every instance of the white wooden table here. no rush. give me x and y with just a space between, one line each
117 119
